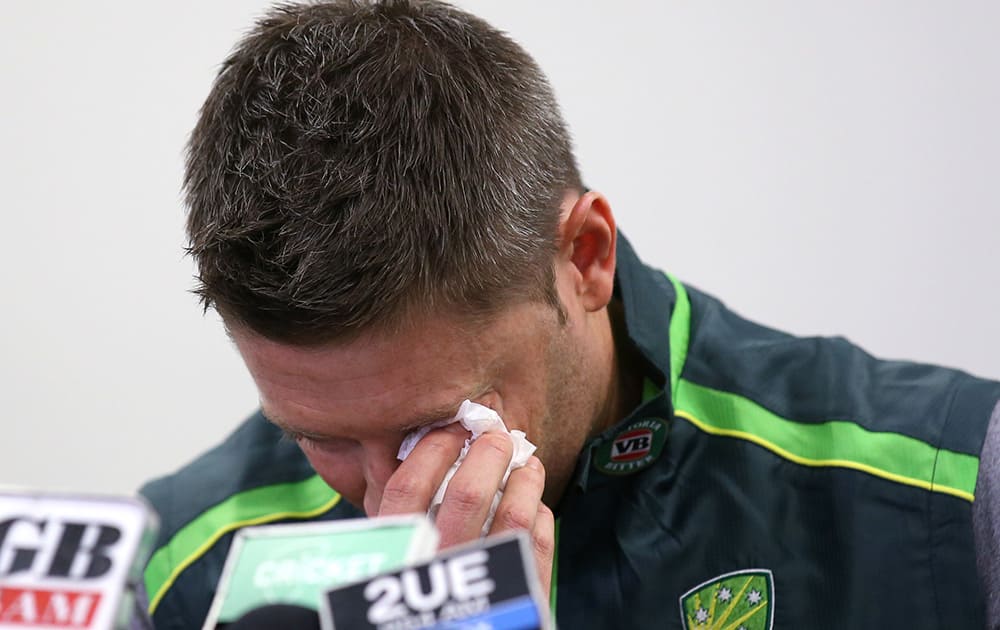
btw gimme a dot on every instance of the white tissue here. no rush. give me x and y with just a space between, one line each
477 419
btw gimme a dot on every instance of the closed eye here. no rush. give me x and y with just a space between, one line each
288 435
324 443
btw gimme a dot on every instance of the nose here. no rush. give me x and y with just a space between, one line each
379 464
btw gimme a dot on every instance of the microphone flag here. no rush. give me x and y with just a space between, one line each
490 584
71 561
294 563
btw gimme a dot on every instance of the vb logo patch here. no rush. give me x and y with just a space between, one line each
741 600
638 445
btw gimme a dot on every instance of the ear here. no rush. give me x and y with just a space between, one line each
587 240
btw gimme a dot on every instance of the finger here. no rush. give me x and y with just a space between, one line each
522 508
543 539
470 493
414 483
519 505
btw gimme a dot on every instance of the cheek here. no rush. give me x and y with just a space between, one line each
358 471
342 470
520 405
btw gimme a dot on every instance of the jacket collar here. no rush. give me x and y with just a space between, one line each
649 299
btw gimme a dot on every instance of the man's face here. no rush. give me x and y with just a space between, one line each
349 405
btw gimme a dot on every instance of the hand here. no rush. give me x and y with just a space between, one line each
470 493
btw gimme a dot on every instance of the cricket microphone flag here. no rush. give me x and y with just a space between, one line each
71 561
292 564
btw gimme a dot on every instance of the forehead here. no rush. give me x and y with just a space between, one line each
386 381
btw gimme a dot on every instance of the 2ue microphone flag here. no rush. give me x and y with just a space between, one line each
489 584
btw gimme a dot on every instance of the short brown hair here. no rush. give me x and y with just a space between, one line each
357 161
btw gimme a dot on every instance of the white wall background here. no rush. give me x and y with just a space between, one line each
823 167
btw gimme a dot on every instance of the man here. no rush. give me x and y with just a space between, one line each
386 211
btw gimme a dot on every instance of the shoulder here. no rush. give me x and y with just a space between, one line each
819 380
253 456
254 476
882 457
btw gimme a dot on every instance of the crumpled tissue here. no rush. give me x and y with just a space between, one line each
477 419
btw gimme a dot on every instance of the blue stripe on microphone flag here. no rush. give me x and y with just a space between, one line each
516 614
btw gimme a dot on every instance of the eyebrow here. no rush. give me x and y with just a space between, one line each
425 418
445 412
430 417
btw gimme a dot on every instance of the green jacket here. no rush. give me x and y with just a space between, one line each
765 480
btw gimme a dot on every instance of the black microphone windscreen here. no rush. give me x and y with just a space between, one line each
277 616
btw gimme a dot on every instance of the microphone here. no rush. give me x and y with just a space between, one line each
490 584
71 561
291 564
277 616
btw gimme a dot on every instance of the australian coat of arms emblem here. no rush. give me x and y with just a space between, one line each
741 600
